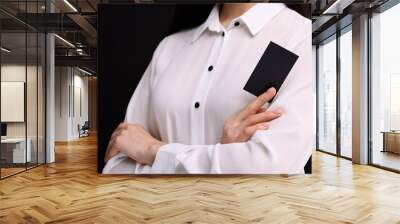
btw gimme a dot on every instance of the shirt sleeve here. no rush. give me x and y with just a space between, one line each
138 112
282 149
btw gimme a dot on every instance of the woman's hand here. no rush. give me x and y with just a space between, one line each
135 142
242 125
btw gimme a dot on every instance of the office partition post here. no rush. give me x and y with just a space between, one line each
360 90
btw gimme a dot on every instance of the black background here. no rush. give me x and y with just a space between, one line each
128 34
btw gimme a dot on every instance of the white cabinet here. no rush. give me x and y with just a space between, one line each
17 147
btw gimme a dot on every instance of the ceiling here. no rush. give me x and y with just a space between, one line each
76 22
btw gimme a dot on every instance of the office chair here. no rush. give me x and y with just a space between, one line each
84 130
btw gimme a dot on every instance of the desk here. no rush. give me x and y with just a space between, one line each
391 141
13 150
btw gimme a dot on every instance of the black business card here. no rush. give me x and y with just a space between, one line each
271 70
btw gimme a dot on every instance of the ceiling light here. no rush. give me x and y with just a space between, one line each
65 41
337 7
70 5
5 50
84 71
79 51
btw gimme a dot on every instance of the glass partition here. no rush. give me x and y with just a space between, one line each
14 153
41 107
22 78
327 95
346 93
32 84
31 99
385 89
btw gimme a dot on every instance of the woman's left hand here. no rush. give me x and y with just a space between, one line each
135 142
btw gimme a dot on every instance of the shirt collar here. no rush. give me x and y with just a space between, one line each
212 23
255 18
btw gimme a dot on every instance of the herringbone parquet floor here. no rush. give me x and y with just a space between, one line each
70 191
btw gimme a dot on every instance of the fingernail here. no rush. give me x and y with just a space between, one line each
278 111
271 89
266 124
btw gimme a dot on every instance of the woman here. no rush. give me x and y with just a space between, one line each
190 114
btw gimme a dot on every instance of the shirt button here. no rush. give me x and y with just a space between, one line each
223 33
197 105
210 68
237 23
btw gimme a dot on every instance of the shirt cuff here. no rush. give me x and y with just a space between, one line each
166 161
119 164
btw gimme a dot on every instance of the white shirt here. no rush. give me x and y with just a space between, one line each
178 77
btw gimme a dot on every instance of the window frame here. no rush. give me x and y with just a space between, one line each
334 37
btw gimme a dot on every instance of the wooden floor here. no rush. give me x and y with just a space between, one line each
5 172
387 159
70 191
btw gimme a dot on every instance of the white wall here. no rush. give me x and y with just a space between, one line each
34 126
71 94
62 81
15 72
79 112
9 73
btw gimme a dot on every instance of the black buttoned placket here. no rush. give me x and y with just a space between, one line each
209 72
